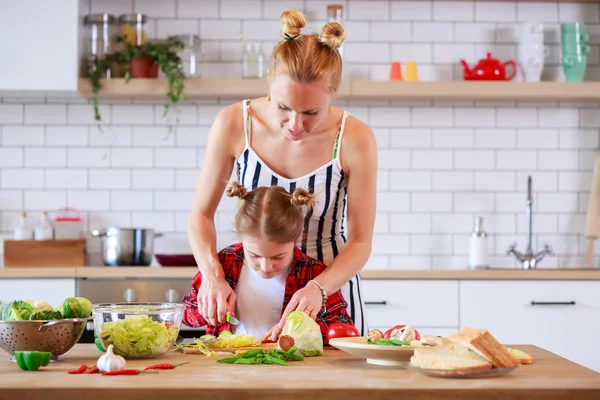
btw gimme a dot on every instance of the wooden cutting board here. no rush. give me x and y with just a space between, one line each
268 346
592 222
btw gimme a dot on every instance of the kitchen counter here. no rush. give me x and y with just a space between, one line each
188 273
336 375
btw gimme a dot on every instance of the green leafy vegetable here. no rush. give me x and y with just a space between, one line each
72 308
306 333
45 315
138 336
86 307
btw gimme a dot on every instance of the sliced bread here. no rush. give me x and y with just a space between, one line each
455 357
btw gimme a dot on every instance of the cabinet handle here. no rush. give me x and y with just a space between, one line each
552 303
378 303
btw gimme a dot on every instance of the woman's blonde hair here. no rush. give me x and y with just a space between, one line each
270 212
309 57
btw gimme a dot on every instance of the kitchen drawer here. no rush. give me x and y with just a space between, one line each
559 316
420 303
54 291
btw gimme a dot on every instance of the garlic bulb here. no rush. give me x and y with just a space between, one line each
110 362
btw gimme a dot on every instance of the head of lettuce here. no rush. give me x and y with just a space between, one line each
306 333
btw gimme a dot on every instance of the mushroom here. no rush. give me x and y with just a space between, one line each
374 335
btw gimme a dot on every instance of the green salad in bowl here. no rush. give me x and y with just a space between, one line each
138 330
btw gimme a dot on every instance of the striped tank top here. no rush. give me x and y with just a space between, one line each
323 234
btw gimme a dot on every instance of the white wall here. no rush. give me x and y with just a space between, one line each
440 164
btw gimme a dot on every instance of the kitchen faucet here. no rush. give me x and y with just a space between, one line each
529 259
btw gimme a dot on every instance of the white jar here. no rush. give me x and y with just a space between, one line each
23 231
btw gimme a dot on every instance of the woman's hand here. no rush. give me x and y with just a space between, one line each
308 299
215 300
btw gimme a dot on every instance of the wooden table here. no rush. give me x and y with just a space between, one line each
336 375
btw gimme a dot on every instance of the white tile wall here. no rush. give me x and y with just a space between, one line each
439 164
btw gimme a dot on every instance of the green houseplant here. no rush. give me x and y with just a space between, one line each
144 61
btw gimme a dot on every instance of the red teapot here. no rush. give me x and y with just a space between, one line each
489 69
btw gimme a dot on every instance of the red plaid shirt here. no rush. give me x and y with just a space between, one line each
304 268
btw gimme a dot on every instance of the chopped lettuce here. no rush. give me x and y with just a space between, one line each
306 333
138 336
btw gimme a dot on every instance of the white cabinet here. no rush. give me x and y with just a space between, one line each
39 45
560 316
430 306
54 291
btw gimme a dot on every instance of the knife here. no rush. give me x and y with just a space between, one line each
231 319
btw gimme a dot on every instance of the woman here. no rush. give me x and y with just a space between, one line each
294 138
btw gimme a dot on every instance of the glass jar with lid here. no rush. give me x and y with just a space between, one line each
190 54
132 28
100 36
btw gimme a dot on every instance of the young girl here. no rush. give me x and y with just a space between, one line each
266 268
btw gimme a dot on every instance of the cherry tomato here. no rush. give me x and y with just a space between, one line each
388 334
338 329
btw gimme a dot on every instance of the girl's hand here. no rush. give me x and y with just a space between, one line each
308 299
272 335
215 299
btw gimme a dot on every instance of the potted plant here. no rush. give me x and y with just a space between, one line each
144 61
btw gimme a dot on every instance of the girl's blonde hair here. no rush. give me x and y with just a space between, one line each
270 212
309 57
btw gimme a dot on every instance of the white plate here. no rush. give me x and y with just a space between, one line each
465 373
373 353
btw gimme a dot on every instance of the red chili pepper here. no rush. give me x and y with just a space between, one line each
265 341
93 370
164 366
123 372
79 370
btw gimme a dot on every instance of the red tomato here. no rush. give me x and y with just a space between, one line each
338 329
389 332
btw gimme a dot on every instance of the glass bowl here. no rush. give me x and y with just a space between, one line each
138 330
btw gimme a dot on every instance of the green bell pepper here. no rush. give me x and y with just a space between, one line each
32 360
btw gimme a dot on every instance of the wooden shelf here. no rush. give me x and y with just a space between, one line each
359 90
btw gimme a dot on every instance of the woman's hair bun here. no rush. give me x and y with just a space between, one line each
332 35
292 21
236 190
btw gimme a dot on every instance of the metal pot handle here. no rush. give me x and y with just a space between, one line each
99 232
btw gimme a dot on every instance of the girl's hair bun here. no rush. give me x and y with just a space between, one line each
236 190
301 197
292 21
332 35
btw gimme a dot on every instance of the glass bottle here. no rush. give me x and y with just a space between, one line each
478 246
252 62
190 54
132 27
334 14
100 37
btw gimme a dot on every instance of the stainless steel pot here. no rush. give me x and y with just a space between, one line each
126 246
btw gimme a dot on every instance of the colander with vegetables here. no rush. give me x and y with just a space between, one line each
32 325
138 330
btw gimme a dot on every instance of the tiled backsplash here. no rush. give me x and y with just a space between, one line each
440 163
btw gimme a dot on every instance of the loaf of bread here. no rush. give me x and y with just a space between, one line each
484 344
452 357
